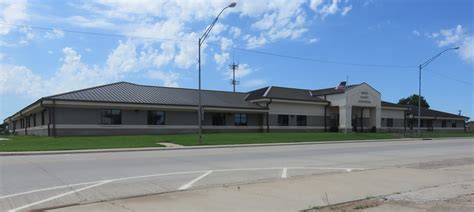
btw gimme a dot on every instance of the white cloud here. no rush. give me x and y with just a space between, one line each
73 74
330 9
12 12
169 78
28 35
416 33
346 10
254 42
451 36
221 59
123 59
235 31
187 54
226 44
467 49
50 52
175 21
90 22
54 34
313 40
314 4
456 37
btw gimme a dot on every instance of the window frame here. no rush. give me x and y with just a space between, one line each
238 119
152 117
443 123
281 122
298 121
222 117
389 122
453 124
111 114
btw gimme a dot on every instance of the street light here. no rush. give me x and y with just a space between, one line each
201 41
421 66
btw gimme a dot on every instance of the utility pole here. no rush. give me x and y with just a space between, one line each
233 81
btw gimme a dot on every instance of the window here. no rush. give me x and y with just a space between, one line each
443 124
240 119
42 117
389 122
22 123
34 120
282 120
429 123
301 120
28 123
156 118
453 125
421 123
218 119
111 116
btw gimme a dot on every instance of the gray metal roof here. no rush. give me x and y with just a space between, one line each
425 112
276 92
125 92
389 104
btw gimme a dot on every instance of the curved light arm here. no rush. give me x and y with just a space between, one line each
208 30
436 56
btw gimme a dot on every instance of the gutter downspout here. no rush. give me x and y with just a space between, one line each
268 123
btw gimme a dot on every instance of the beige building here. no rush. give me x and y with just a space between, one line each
126 108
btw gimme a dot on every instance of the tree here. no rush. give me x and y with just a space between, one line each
413 100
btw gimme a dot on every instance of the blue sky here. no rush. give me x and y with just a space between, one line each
36 62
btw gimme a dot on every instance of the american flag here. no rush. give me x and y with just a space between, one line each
341 86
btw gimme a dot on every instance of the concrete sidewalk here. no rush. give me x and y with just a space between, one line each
205 147
295 194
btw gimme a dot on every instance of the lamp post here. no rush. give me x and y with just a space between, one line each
420 67
201 41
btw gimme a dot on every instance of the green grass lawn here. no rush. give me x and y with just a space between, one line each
36 143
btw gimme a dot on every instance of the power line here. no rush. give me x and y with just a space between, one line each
215 44
452 78
96 33
321 60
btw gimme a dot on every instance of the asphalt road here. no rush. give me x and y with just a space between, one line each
140 173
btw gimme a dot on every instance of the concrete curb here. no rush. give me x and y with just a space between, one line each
194 147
